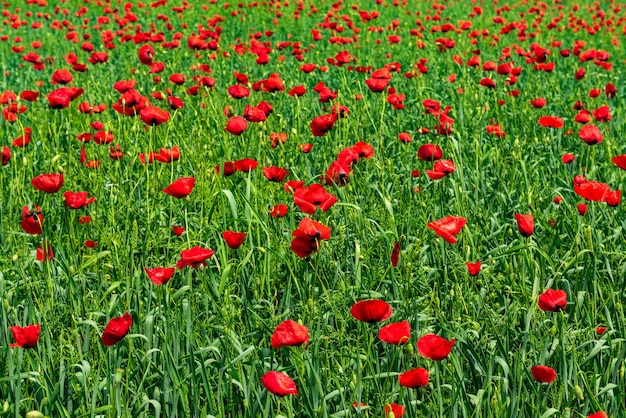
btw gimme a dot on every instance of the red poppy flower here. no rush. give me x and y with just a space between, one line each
429 152
434 347
153 116
487 82
21 141
306 148
601 330
59 99
276 174
543 374
236 125
270 85
593 93
178 79
229 168
254 114
473 268
372 310
160 275
91 244
32 220
602 114
613 198
116 329
45 253
415 378
29 95
322 124
538 102
363 149
619 161
297 91
590 134
6 155
48 183
103 137
146 54
599 414
525 224
551 122
194 257
348 157
592 190
246 165
441 169
552 300
278 138
395 254
580 73
175 103
312 197
279 384
307 236
234 239
115 153
448 227
610 91
568 158
395 409
122 86
238 91
290 333
61 76
181 187
25 337
582 209
293 185
377 85
495 130
278 211
337 174
131 103
77 200
397 333
265 107
83 220
178 230
167 155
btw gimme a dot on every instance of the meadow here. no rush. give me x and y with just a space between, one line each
313 209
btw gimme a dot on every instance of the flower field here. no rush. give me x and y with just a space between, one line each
313 209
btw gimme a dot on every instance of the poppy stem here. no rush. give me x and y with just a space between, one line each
564 358
438 388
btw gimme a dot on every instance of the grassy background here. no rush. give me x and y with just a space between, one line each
200 344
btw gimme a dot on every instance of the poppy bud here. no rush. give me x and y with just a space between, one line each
525 224
578 393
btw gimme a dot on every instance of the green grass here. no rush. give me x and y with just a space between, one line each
200 344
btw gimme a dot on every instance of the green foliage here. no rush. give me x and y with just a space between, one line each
200 344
